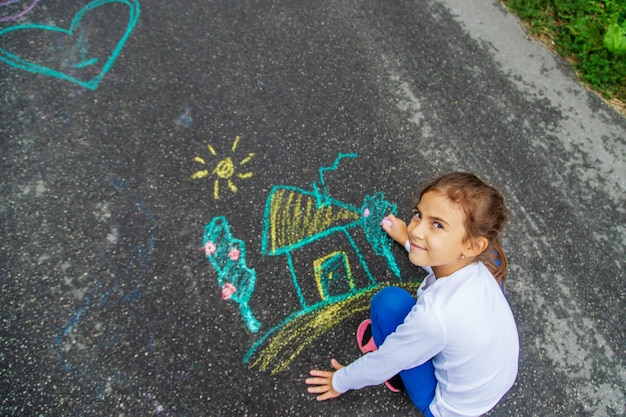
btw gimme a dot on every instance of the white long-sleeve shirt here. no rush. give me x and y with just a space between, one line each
465 324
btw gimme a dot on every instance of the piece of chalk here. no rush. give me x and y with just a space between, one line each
386 222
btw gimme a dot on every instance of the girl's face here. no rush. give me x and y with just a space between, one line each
437 233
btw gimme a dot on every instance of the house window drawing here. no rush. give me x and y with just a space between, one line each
333 275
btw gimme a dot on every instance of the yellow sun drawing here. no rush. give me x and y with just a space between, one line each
224 170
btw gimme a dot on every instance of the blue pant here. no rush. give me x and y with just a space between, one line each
388 309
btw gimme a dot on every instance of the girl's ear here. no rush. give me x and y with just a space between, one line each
476 246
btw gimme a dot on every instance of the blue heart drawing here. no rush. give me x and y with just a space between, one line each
21 63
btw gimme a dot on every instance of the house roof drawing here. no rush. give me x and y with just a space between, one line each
295 217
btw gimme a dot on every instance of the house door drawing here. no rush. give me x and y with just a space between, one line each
333 275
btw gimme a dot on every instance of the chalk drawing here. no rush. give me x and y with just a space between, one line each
10 7
128 284
74 32
225 170
185 119
285 341
333 275
295 218
228 257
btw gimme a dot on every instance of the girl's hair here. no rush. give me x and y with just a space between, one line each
485 214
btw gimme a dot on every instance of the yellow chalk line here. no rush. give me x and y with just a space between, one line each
296 335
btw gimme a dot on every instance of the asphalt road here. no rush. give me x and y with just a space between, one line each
158 160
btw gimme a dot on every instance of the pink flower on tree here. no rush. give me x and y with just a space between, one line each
209 248
234 254
228 290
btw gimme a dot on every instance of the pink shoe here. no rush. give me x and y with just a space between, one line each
364 339
395 384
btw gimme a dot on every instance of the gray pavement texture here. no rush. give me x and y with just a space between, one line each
108 304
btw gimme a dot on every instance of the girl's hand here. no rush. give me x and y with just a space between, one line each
395 228
322 382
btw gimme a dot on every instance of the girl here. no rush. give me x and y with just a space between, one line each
456 348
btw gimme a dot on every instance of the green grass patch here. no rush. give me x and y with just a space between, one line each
590 34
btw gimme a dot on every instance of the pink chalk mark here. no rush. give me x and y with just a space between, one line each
209 248
228 290
367 212
234 254
25 10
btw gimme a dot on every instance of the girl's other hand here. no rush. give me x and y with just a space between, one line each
321 383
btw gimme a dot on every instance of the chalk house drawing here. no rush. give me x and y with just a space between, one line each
84 62
295 218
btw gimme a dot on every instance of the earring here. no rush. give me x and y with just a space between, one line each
462 256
